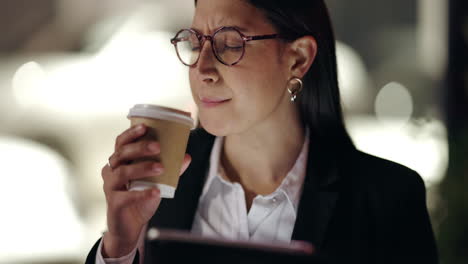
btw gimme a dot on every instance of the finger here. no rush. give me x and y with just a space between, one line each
130 135
133 151
126 173
185 163
122 199
303 246
106 170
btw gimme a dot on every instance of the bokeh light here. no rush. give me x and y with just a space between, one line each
394 102
38 216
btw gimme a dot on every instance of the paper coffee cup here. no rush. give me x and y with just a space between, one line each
171 128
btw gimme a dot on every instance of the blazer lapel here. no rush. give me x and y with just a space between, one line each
318 198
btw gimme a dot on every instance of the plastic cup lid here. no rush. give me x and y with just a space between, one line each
160 112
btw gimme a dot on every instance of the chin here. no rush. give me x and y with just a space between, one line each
216 127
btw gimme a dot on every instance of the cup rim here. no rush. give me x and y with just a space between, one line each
160 112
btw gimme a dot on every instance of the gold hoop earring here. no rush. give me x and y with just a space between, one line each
295 87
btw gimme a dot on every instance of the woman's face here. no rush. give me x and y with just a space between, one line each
252 93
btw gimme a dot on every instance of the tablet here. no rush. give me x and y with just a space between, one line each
174 246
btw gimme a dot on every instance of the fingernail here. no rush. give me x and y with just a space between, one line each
153 147
139 128
157 168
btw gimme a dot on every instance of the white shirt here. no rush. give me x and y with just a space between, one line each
222 211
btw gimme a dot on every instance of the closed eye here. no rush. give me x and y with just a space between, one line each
232 48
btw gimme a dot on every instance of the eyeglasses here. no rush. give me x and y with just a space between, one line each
227 44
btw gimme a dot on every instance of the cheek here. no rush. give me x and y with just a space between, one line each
191 79
258 94
193 84
265 82
267 68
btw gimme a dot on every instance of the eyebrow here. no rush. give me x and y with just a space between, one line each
242 29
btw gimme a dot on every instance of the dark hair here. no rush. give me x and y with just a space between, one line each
319 101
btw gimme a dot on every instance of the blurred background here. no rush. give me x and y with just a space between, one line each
70 70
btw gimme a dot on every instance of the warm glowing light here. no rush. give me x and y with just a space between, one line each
433 37
135 68
421 147
38 217
27 83
394 102
352 77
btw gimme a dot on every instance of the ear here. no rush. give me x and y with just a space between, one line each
303 51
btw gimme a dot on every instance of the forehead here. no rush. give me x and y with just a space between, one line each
213 14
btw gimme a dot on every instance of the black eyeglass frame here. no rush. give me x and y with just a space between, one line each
202 39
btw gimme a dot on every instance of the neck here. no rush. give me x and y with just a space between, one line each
261 157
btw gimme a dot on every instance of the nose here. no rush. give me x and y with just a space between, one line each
206 65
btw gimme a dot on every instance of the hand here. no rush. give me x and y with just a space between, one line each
129 211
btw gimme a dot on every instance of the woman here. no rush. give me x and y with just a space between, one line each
273 161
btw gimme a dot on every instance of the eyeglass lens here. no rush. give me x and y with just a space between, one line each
228 46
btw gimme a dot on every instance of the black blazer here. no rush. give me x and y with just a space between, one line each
355 208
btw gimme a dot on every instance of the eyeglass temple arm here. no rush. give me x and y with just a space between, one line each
249 38
175 40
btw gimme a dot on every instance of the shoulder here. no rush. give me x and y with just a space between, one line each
384 175
370 164
396 199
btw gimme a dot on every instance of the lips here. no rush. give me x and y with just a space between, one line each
213 101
